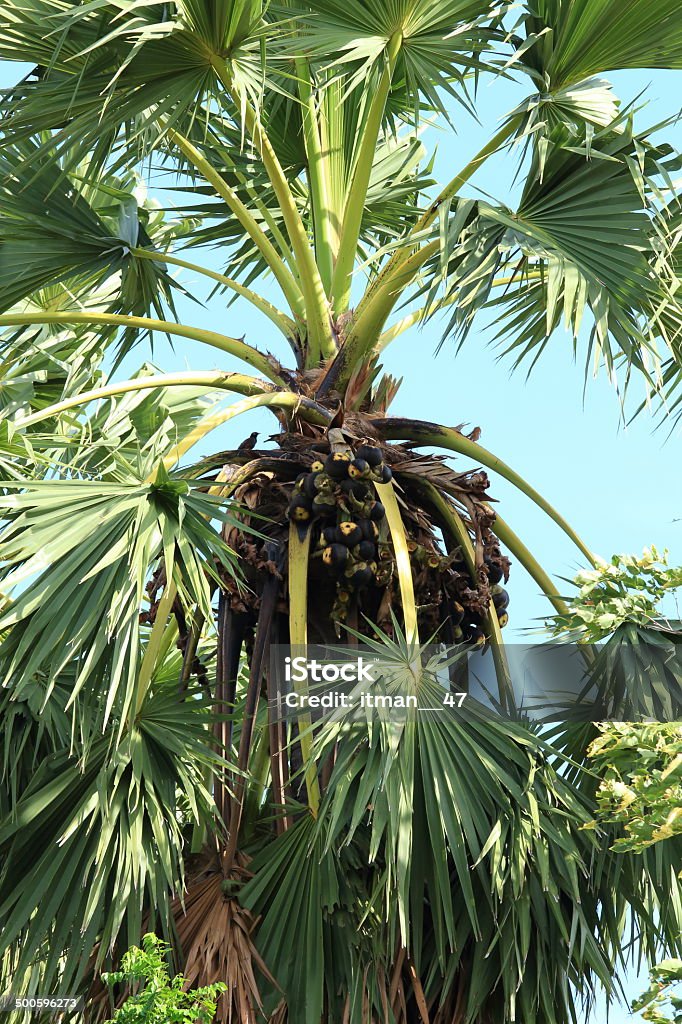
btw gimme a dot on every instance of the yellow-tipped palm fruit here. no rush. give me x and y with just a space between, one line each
336 465
349 533
300 509
358 469
335 556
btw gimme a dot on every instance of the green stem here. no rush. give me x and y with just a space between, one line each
285 324
317 177
283 275
224 381
460 535
371 317
357 193
519 550
376 305
446 437
452 188
321 339
387 496
283 400
299 554
264 364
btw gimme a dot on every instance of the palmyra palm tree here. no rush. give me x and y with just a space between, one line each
440 870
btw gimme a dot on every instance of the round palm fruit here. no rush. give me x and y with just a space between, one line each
502 620
377 511
495 573
367 551
500 598
474 635
337 465
456 613
335 556
385 553
370 454
309 486
433 561
356 488
300 480
360 576
358 469
328 536
385 474
349 533
317 466
300 509
370 530
343 597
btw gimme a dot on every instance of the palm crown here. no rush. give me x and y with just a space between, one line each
441 871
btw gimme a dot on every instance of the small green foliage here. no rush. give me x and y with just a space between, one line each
641 769
653 1002
159 999
626 589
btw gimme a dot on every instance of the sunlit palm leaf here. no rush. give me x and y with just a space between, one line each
70 545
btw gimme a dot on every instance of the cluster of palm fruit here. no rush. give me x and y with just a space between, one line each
339 495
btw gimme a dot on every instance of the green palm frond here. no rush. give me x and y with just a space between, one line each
441 43
586 245
89 846
75 230
70 544
576 39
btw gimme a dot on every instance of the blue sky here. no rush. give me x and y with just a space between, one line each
616 485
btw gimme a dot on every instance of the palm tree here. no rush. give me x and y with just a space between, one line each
441 869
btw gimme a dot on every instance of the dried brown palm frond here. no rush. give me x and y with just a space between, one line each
215 936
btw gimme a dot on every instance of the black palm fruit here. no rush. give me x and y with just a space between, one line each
360 575
473 634
503 619
358 469
349 533
317 466
370 454
369 530
500 598
367 551
456 613
328 536
384 474
300 509
376 511
495 573
337 465
309 486
335 556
